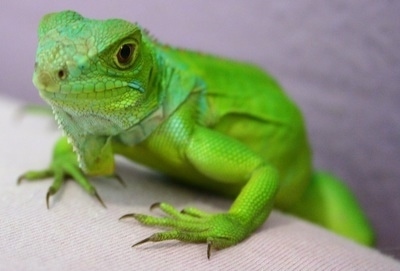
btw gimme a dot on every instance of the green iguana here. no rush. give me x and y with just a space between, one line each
210 122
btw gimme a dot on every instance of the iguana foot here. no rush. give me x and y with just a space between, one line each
192 225
63 167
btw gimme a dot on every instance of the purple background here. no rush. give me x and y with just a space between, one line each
338 59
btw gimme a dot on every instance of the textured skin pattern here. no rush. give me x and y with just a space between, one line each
214 123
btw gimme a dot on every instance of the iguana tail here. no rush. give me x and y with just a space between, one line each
329 203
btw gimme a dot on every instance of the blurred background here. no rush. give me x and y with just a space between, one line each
339 60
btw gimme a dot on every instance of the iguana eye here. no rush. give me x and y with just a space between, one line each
125 55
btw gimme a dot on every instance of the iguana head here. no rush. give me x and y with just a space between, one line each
97 75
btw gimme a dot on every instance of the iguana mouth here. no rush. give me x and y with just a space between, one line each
54 86
47 82
51 88
75 97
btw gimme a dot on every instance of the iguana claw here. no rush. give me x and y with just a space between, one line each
65 166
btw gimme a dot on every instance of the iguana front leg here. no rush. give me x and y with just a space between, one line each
228 162
64 165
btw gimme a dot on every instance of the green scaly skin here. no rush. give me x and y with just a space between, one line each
210 122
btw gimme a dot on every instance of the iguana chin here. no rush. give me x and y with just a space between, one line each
210 122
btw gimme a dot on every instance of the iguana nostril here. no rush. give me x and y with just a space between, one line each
62 74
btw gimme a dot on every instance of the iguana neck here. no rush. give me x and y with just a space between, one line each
172 84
